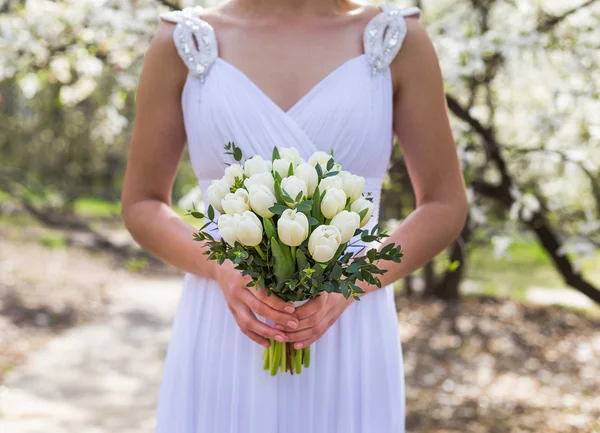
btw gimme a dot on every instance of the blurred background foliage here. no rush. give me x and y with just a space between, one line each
522 89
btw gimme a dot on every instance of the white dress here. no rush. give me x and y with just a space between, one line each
213 381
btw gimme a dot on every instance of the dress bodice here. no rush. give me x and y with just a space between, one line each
349 111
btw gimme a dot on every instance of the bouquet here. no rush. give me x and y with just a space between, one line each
287 224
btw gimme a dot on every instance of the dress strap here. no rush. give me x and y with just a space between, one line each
194 39
385 33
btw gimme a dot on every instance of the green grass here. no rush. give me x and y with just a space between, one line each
525 264
52 240
92 207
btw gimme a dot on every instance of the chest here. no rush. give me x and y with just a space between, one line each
287 60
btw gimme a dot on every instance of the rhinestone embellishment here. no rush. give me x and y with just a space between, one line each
384 35
194 39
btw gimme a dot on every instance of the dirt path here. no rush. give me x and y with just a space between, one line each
100 377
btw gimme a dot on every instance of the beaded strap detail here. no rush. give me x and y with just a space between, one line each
194 39
384 35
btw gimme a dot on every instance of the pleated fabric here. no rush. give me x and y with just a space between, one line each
213 381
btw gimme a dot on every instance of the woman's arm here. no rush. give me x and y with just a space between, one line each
422 126
155 151
156 147
423 129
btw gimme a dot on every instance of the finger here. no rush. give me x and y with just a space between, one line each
251 323
317 332
257 338
273 301
306 323
311 307
264 310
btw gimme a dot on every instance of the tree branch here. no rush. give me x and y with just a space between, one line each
539 223
552 21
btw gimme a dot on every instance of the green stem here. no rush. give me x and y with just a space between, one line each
293 254
298 361
306 357
260 252
266 359
283 364
276 359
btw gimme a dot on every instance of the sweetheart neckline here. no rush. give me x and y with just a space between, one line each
305 96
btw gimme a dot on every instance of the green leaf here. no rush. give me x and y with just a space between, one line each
291 170
198 215
284 267
237 154
336 272
331 152
353 267
278 209
363 213
275 154
298 197
211 213
319 170
301 260
330 164
270 227
316 208
287 198
345 289
331 173
371 254
303 207
328 287
278 191
313 221
387 248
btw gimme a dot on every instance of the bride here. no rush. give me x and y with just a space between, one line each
314 75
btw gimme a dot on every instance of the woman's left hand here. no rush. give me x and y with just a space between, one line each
316 317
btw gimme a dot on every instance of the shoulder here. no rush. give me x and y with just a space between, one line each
417 55
214 16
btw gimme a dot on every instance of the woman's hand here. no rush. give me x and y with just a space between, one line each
316 317
245 302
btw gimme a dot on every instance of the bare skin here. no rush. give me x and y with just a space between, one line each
323 34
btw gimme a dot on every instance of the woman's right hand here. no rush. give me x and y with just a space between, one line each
247 302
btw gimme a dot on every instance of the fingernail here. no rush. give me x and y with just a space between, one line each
289 309
292 324
279 338
298 345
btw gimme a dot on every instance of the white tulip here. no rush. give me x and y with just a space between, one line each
324 242
292 227
282 166
347 223
237 202
216 191
249 229
360 204
260 179
256 165
292 186
353 186
227 228
261 199
331 182
319 158
333 202
309 175
291 154
233 172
